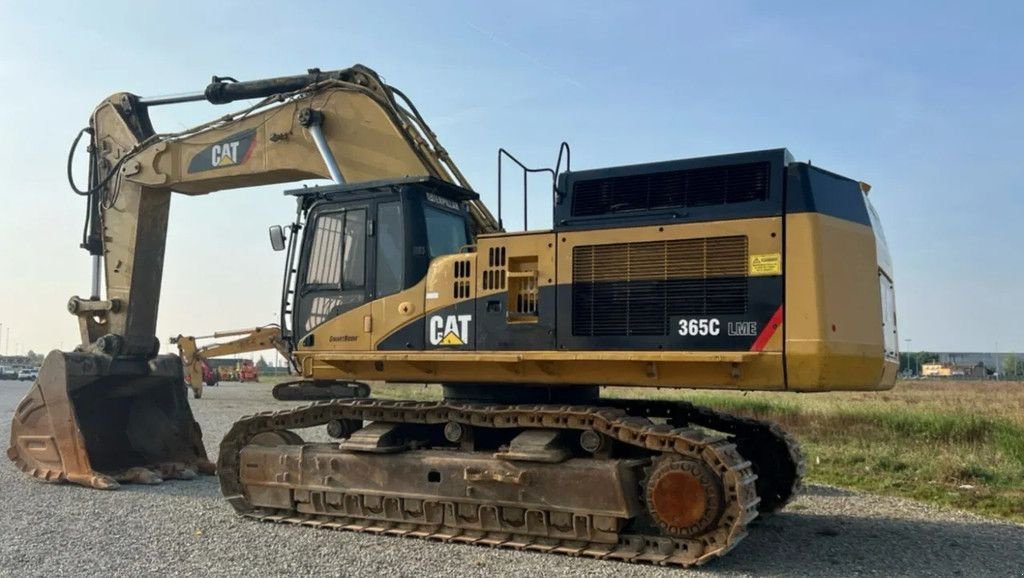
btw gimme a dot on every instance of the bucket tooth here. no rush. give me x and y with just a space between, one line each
94 420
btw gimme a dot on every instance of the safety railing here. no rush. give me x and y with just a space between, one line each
556 194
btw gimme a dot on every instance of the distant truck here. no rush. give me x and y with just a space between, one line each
242 370
8 372
210 377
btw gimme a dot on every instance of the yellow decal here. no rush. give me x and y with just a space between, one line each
451 339
766 264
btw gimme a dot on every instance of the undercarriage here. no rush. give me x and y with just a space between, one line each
637 480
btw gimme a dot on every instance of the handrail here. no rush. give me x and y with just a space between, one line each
564 147
556 194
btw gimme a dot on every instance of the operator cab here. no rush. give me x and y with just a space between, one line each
365 241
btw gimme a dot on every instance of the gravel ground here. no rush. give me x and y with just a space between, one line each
185 528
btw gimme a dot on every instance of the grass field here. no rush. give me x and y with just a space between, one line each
957 443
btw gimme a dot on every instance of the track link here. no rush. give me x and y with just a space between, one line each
775 454
718 454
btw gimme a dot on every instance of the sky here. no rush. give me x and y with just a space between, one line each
925 101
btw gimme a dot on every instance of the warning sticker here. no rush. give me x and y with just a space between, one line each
766 264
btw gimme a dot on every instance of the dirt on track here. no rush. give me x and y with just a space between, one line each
185 528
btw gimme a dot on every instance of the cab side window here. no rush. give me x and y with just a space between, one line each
446 232
354 254
325 252
390 249
338 253
336 272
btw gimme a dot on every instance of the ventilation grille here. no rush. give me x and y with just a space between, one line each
462 272
495 275
523 293
631 289
683 188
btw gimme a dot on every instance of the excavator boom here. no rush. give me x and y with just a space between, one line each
113 410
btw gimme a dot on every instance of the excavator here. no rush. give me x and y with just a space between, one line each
194 357
197 371
748 271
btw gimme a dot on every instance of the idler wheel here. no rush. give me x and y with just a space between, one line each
276 438
684 497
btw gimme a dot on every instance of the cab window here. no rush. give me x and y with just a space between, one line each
446 232
335 277
337 255
390 249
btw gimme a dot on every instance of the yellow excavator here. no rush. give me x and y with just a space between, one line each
198 372
747 271
194 357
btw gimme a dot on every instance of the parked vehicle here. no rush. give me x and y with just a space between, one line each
28 374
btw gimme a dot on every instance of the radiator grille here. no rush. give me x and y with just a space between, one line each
682 188
635 288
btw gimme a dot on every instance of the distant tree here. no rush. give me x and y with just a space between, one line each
912 361
1013 367
262 364
34 357
906 362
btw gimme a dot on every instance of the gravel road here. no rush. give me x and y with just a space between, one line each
184 528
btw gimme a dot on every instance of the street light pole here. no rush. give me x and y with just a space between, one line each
999 362
913 360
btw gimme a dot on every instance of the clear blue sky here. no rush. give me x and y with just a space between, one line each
923 101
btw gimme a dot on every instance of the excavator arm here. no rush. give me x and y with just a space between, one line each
193 355
114 410
343 125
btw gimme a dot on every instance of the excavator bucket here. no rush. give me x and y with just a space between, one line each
97 421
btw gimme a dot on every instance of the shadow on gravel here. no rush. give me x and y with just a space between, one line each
800 544
200 487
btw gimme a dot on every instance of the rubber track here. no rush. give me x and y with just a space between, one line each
718 453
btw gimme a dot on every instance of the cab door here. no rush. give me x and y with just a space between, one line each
333 276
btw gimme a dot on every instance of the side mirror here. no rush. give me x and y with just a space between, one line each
277 240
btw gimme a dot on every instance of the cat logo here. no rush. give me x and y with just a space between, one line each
225 154
449 329
234 150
